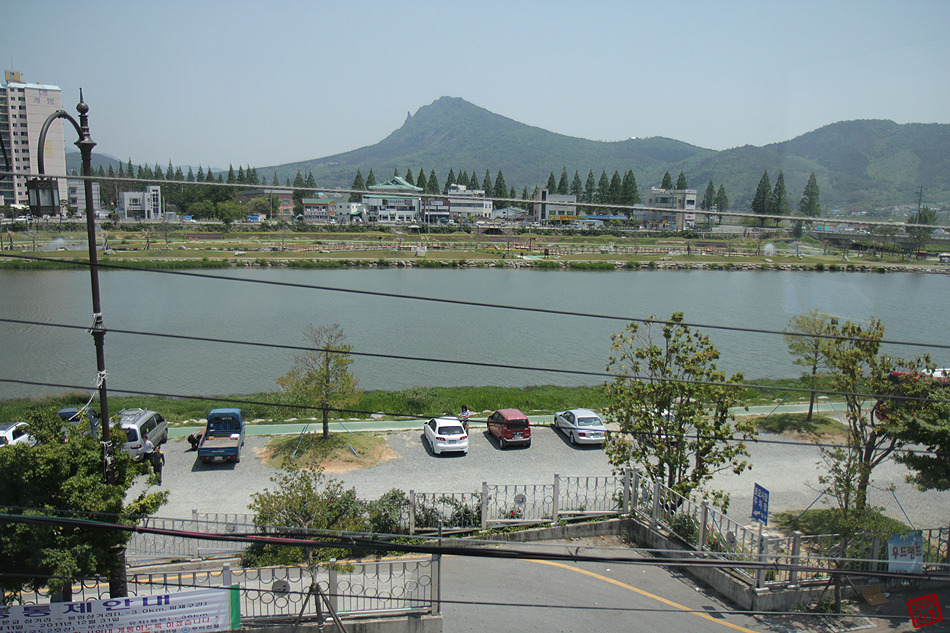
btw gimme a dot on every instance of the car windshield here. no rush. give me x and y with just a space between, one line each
592 421
450 430
132 434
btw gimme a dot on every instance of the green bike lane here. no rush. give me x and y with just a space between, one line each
263 427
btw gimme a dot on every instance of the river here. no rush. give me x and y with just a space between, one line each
913 307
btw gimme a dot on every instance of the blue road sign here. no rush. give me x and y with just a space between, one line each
760 504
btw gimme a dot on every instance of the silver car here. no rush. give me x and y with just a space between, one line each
582 426
15 433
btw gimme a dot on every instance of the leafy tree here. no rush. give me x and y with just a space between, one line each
667 182
921 234
681 181
672 406
763 197
321 376
806 342
875 430
65 479
228 213
778 205
563 187
304 498
930 430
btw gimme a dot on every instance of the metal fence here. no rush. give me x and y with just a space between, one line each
691 520
373 588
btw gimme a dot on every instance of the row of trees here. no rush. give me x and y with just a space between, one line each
769 200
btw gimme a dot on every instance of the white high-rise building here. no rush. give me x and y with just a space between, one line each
24 108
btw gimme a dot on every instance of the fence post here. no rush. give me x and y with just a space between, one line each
412 511
703 516
436 583
484 505
226 575
554 500
654 519
636 492
763 551
796 557
625 504
194 526
333 587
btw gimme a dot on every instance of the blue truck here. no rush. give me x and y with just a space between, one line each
223 436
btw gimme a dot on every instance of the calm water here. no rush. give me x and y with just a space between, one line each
914 308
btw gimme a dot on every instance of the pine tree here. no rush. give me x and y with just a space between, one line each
763 197
500 190
408 177
486 183
809 205
450 179
681 182
276 183
709 198
667 182
371 178
590 187
201 174
603 189
577 187
432 186
552 183
778 205
232 177
722 200
562 185
157 174
241 176
615 190
358 186
629 194
462 179
421 181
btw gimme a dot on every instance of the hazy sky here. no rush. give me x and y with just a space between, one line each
252 83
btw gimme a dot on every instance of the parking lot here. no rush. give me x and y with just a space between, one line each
788 471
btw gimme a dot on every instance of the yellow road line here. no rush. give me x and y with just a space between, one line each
646 594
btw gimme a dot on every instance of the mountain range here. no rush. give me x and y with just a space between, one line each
859 165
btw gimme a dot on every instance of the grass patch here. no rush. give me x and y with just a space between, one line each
335 453
784 390
796 424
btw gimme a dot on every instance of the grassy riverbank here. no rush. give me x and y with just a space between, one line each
414 402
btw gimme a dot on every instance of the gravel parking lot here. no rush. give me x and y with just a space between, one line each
788 471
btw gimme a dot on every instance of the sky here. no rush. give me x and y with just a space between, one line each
235 82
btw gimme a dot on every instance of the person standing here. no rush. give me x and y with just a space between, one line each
158 462
463 417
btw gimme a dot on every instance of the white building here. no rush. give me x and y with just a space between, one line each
23 110
657 201
554 208
468 204
76 196
142 205
393 202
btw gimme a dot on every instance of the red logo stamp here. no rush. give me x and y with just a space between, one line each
924 610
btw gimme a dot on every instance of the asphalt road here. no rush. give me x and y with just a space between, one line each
789 470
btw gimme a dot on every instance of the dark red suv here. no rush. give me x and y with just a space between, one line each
510 426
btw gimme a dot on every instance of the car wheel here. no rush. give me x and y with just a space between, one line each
502 443
164 438
573 440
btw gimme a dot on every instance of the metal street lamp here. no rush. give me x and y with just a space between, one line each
42 190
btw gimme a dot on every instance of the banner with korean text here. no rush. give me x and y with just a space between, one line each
202 610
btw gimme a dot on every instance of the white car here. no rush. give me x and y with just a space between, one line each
15 433
582 426
446 434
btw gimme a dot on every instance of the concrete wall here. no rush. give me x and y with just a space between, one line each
414 624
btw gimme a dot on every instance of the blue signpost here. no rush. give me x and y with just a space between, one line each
760 504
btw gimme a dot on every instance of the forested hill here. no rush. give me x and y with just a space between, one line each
858 164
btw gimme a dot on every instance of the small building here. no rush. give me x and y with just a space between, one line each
660 206
554 208
142 205
319 210
393 202
281 201
468 205
76 196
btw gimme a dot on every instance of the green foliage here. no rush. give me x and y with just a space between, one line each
672 406
779 423
806 344
64 479
833 521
